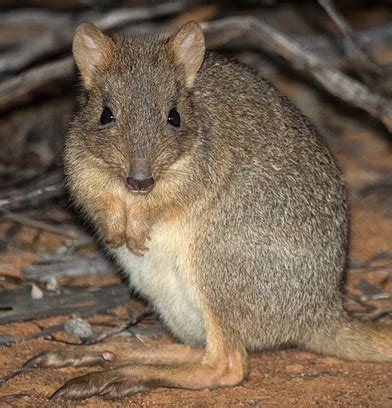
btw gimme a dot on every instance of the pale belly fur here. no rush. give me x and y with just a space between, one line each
164 277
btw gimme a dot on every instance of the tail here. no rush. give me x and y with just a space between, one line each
353 339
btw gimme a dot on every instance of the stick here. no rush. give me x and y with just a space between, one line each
17 304
332 80
373 37
377 314
40 193
18 89
76 266
6 340
354 49
40 225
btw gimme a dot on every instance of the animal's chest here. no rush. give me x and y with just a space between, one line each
164 276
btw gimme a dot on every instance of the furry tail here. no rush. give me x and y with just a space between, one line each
353 339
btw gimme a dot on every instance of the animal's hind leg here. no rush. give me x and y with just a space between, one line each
127 380
223 364
116 354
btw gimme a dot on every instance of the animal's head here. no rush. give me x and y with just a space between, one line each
137 118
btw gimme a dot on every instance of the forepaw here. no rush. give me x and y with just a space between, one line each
114 239
137 245
109 384
137 235
114 232
112 223
70 357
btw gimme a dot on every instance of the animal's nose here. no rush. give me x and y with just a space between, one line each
140 182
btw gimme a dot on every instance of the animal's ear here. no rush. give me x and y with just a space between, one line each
188 48
93 51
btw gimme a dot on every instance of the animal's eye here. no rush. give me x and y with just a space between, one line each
107 116
174 117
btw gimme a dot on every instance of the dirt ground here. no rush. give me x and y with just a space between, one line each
284 378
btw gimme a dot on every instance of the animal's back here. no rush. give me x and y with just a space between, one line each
275 236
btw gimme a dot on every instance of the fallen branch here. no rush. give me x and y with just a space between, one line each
40 225
332 80
41 193
378 314
380 261
374 38
367 307
7 339
45 270
17 305
355 51
18 89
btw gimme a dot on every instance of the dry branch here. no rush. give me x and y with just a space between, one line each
355 51
17 304
332 80
40 225
7 339
39 193
378 313
76 266
16 90
374 38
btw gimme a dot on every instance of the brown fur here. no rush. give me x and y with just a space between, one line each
241 243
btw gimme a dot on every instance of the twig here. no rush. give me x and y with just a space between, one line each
13 374
332 80
374 37
40 225
368 308
110 332
354 50
125 326
377 296
40 193
317 374
9 398
8 339
373 263
76 266
17 305
17 89
378 313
